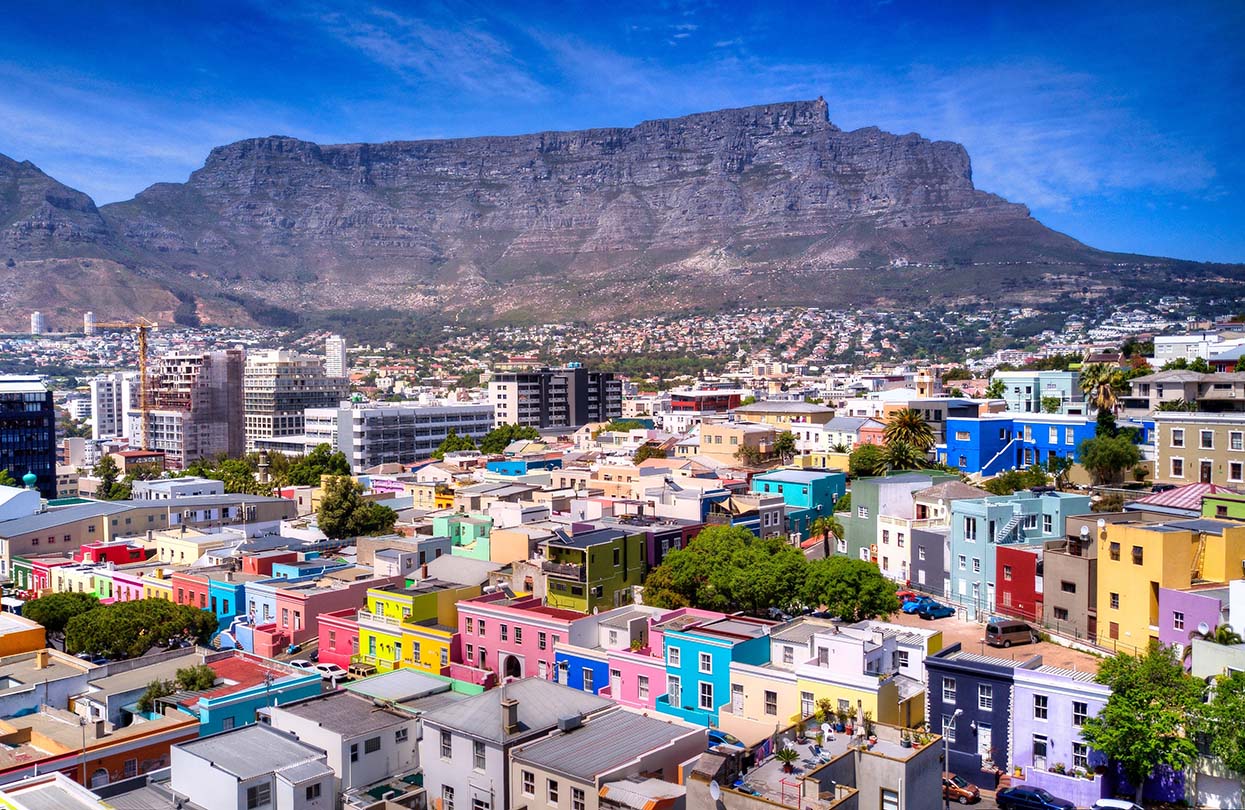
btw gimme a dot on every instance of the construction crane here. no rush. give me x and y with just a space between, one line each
141 327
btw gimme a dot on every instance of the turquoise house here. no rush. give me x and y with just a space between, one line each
807 494
251 684
468 534
698 656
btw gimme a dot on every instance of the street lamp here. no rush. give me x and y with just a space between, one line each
946 753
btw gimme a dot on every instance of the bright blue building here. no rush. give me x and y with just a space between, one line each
808 494
584 668
257 682
523 466
698 663
994 443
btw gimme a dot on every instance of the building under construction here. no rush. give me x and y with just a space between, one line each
195 406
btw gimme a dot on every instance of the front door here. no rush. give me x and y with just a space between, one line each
615 683
737 698
1207 466
984 740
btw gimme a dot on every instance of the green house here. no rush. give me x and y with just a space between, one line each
468 534
593 569
1223 505
883 495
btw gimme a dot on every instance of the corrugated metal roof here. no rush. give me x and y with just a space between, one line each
400 684
345 713
541 703
1186 497
602 744
252 751
1072 674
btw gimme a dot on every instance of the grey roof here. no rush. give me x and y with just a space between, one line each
400 684
541 703
50 796
1204 525
59 516
585 539
344 713
800 630
783 406
461 570
602 744
252 751
623 617
305 771
797 476
1073 674
908 687
846 424
949 491
148 797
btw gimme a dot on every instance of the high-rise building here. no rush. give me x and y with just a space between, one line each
278 386
112 396
335 356
562 397
28 431
397 433
196 407
88 324
38 324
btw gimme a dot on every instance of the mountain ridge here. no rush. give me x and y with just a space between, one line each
768 204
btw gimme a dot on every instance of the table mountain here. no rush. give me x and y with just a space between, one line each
767 204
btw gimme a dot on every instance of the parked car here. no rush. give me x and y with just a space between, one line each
302 663
959 789
907 596
1031 798
718 737
936 611
915 605
329 671
1006 632
1115 804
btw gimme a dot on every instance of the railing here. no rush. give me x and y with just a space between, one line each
570 570
367 615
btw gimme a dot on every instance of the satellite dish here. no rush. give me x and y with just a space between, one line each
1203 628
715 790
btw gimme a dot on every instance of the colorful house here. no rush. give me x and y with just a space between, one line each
807 494
592 569
1049 707
468 534
339 637
247 684
699 654
415 626
993 443
517 637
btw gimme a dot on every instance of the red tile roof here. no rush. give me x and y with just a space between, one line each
242 673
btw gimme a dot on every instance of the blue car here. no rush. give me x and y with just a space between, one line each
915 605
1031 798
936 611
718 737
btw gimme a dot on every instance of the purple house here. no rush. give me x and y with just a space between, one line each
1184 612
1049 705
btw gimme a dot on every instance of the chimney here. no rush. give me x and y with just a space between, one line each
423 571
42 658
99 728
510 715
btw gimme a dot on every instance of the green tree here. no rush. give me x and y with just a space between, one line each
1051 404
909 427
748 400
903 456
1107 457
825 526
453 443
308 470
56 609
865 460
647 451
499 437
955 393
344 512
196 678
844 503
7 480
110 487
1177 405
1005 483
849 588
749 455
1200 365
622 426
784 446
129 629
1102 383
840 447
997 389
1239 368
1223 720
1151 717
954 374
154 692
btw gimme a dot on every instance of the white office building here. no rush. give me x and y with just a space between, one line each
112 395
278 386
335 364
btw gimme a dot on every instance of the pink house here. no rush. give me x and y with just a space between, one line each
127 583
339 637
299 608
516 637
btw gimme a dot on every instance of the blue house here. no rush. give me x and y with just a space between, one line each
584 668
250 684
698 663
994 443
979 525
523 466
807 494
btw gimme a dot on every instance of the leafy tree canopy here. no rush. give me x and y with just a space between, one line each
866 459
1051 404
344 512
647 451
54 610
7 480
453 443
849 588
784 445
1015 480
129 629
499 437
954 374
307 471
1107 457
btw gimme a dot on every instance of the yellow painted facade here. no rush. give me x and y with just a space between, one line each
411 628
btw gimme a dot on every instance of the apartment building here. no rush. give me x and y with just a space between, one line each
1024 390
335 363
112 396
1211 393
196 404
28 432
278 386
400 433
563 397
1207 448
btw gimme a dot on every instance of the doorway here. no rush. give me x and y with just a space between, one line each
1206 468
513 667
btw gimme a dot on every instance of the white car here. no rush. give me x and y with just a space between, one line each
331 671
1115 804
302 663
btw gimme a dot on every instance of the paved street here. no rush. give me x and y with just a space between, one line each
971 636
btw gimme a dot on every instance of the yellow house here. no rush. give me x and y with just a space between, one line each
785 414
411 627
1135 560
158 584
20 635
722 441
186 547
762 699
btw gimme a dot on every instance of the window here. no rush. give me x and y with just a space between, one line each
447 750
674 690
963 563
1080 713
258 796
477 755
529 783
706 695
1007 573
482 628
1115 551
541 641
1206 440
1061 614
886 537
674 656
899 539
1177 468
901 658
577 799
771 703
470 625
976 565
400 735
788 654
354 752
371 746
551 792
1177 437
1236 441
613 638
961 436
641 685
1080 755
1068 436
504 630
1039 707
1115 601
1052 435
948 690
447 797
970 529
948 728
313 792
1067 587
1236 470
1048 524
471 654
920 552
808 703
985 696
706 663
862 512
1138 555
1177 620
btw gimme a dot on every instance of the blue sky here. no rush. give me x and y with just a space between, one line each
1121 126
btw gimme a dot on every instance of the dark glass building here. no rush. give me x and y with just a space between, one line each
28 432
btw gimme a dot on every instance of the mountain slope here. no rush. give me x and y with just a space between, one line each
767 204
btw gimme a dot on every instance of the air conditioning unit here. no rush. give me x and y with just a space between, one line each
598 591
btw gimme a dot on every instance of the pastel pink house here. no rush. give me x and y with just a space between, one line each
516 637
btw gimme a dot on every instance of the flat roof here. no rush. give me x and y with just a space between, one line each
398 685
602 744
252 751
596 537
797 476
22 671
345 713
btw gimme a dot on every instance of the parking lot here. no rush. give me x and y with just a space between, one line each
971 636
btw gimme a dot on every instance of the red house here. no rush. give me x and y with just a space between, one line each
117 553
1018 591
191 589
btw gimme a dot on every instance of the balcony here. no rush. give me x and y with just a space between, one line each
565 570
378 618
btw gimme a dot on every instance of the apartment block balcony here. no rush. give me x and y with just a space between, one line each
378 618
565 570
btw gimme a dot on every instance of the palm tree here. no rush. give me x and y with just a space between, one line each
903 456
907 426
840 447
826 525
997 389
1222 634
1102 383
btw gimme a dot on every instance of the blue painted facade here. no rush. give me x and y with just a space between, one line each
217 714
808 494
698 665
228 597
583 669
981 688
523 466
999 442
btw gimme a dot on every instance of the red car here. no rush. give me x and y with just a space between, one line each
907 596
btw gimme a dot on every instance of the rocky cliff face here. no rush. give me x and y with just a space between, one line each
771 203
